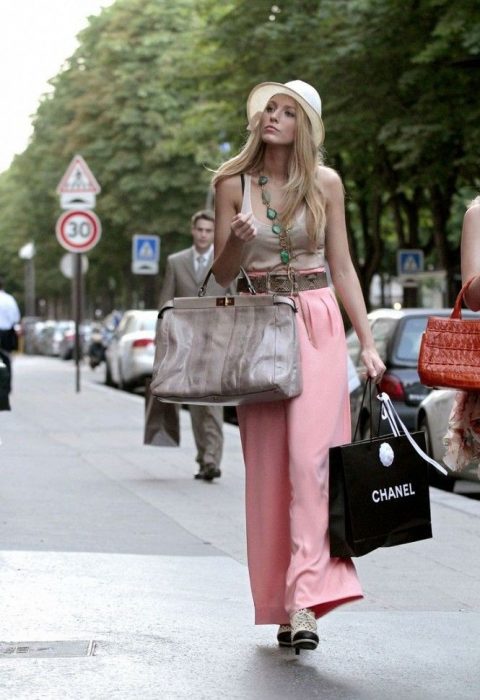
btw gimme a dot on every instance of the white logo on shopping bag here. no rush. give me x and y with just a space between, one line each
386 454
398 491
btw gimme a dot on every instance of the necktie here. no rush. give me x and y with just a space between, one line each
201 262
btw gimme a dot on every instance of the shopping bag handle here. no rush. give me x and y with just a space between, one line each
397 426
203 289
368 385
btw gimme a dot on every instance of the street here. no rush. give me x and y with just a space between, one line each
103 539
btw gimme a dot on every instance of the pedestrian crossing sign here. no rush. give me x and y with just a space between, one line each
145 254
409 261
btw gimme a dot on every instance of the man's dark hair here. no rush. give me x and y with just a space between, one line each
203 214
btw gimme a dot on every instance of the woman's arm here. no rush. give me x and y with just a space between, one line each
470 255
343 273
232 230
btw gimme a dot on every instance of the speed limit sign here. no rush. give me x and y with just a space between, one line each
78 231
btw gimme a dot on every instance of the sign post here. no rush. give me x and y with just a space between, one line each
78 230
410 265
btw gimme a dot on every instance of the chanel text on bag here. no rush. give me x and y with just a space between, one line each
400 491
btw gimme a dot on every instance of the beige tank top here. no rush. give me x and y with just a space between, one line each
263 253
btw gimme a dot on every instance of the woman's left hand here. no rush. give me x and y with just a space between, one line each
373 363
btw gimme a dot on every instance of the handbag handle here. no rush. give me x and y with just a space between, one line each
398 427
203 289
368 385
457 309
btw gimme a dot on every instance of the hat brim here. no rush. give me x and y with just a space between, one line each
263 92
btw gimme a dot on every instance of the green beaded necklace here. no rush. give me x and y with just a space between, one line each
278 229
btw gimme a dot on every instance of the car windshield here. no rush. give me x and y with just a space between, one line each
148 321
408 346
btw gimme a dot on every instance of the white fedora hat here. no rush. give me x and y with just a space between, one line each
303 93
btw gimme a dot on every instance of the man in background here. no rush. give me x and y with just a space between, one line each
185 272
9 316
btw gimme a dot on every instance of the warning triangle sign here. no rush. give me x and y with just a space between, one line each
78 178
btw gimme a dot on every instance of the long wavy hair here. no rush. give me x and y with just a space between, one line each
302 186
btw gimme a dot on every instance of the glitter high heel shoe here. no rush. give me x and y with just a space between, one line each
304 630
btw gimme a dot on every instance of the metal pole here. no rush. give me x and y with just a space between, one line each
78 316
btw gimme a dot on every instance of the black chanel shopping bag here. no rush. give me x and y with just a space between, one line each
379 494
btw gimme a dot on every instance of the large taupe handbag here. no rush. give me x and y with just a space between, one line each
227 350
162 421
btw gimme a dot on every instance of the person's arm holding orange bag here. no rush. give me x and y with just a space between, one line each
470 254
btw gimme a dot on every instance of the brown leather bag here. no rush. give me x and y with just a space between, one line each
227 350
450 350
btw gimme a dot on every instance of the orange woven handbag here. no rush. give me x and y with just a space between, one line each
450 350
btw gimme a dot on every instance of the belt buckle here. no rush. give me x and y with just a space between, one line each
290 276
293 281
268 288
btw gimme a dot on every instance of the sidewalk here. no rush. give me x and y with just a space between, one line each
103 539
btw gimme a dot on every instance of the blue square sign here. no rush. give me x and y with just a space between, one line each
145 254
410 261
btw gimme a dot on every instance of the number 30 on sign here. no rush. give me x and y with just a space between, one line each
78 231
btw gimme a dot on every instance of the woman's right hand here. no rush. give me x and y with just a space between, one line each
243 228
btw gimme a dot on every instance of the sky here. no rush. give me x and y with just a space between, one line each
36 37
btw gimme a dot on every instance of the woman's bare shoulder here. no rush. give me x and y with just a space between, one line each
329 180
472 215
230 185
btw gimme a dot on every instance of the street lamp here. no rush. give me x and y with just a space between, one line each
27 253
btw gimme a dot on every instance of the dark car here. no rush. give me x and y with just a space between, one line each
397 335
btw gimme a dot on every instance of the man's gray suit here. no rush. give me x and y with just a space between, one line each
181 280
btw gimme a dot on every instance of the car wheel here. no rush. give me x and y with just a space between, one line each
439 481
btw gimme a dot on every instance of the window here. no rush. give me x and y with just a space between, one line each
408 346
382 330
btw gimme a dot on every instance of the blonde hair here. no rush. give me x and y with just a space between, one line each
302 185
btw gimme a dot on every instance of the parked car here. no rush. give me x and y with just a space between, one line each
35 336
397 335
433 415
130 353
27 332
67 343
49 337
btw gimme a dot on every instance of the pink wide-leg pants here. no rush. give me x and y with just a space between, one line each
285 447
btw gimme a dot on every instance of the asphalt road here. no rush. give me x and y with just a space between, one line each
104 539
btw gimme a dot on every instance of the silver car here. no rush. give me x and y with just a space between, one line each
130 353
432 418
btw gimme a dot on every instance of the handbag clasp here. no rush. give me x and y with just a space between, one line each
225 301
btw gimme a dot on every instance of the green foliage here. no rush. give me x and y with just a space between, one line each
156 92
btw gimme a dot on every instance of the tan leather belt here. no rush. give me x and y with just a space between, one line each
271 283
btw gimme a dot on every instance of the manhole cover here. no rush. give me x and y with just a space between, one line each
48 649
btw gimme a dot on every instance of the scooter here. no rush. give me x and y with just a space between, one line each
96 349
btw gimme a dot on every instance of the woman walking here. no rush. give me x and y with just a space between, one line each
280 215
